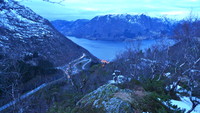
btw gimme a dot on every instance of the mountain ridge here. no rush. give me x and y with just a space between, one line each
116 27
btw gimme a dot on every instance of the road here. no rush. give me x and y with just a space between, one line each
75 67
65 68
83 67
22 97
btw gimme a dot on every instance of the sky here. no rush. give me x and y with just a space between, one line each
87 9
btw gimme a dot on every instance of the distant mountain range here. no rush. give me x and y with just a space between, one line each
116 27
23 32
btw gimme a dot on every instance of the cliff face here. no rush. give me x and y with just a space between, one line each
116 27
23 32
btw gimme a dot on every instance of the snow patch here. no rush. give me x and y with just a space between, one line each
186 104
167 74
21 18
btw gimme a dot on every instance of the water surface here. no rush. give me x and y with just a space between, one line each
107 50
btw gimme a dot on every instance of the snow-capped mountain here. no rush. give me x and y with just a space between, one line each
24 32
116 27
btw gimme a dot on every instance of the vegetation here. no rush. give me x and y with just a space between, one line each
157 72
153 75
21 75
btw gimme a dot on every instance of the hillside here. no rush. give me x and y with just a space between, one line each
23 32
158 80
33 53
151 81
42 71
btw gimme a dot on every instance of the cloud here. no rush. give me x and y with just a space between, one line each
194 0
174 13
76 9
89 9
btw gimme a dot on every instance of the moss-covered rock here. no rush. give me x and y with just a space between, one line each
106 99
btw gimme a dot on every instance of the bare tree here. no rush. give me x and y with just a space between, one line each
187 28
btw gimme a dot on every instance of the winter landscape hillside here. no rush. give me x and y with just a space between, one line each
42 70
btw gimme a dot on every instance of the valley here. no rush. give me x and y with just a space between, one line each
112 62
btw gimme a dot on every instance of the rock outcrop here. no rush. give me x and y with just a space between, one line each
107 99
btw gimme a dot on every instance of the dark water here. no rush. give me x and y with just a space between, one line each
107 50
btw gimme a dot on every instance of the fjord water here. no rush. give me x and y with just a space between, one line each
107 50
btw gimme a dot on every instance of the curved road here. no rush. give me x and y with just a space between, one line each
83 67
46 84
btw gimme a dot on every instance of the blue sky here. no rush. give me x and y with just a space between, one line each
87 9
